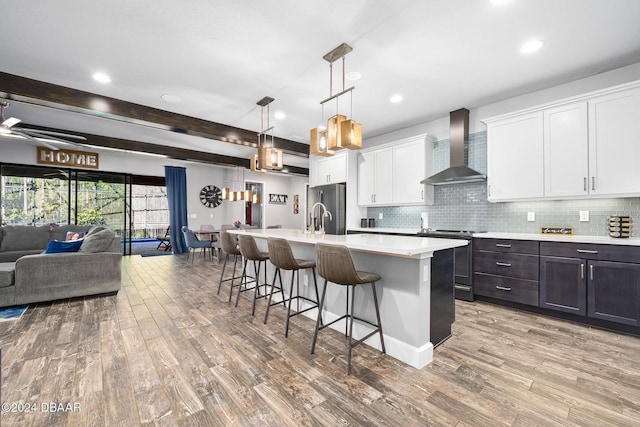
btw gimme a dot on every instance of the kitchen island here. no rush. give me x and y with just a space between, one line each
415 292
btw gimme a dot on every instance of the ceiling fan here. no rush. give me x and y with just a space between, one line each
43 137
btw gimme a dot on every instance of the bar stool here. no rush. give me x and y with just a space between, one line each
282 258
250 252
229 246
335 264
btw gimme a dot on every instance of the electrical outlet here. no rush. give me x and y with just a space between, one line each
380 215
584 216
531 216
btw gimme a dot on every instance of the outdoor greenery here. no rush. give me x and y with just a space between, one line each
40 201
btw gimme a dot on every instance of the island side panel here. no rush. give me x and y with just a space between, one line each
403 294
442 295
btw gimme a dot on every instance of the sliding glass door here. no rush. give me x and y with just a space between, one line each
134 206
34 195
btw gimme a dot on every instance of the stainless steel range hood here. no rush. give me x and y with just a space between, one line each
458 172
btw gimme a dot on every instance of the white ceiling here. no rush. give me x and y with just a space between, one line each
221 57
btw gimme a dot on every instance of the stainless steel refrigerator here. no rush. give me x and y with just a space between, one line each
334 197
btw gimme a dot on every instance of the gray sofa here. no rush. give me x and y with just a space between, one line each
27 275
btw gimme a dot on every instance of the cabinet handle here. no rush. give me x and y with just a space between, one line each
591 271
421 194
582 271
503 288
503 264
488 190
593 183
503 245
586 251
585 183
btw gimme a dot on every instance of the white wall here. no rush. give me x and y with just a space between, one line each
440 127
20 151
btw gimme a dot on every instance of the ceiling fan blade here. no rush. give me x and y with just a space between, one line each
40 136
34 139
11 121
48 132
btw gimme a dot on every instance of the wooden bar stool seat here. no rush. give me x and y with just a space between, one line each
335 264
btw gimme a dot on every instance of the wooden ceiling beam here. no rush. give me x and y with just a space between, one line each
77 101
168 151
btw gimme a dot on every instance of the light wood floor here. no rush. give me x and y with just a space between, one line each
167 351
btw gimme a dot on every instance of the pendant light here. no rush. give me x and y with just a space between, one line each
341 132
268 157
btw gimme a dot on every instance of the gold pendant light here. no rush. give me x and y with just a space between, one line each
341 131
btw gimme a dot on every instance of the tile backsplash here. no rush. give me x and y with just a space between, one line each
465 206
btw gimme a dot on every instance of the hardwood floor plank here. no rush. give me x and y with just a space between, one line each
167 350
119 400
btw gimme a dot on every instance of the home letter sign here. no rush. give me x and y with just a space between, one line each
69 158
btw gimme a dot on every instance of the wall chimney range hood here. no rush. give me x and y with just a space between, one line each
458 172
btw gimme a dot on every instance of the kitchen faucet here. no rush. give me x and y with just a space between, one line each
326 213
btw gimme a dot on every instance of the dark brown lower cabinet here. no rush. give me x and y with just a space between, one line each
613 291
591 285
562 284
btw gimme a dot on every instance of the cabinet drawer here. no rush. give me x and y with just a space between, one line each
619 253
505 288
505 264
505 245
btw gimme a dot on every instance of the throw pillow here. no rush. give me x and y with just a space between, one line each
98 241
73 235
57 246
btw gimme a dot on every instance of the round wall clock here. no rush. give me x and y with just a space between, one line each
211 196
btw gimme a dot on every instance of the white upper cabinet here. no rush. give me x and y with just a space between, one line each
583 147
566 151
614 144
412 163
328 170
515 158
375 177
391 175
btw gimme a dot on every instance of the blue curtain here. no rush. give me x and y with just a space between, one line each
176 182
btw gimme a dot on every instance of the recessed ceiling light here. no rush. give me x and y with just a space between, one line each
101 77
279 115
395 99
353 75
531 46
171 99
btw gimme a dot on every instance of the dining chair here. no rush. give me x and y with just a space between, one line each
194 243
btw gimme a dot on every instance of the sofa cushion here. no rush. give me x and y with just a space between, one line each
59 246
6 274
95 229
21 237
97 241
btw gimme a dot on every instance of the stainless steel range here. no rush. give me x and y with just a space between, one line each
463 281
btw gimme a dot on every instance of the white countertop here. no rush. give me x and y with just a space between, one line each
631 241
401 246
407 231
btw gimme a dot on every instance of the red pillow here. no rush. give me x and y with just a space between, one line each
73 235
